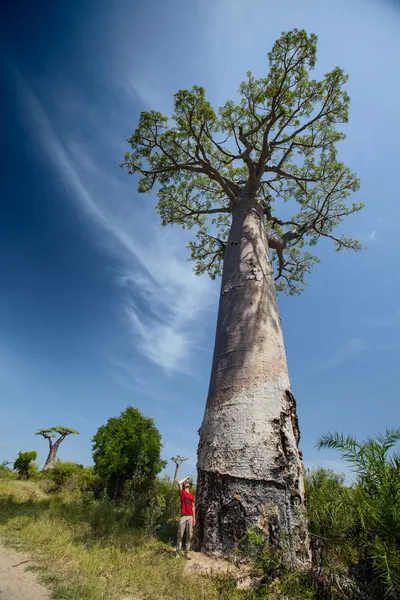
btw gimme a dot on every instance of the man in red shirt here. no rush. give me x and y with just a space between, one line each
188 516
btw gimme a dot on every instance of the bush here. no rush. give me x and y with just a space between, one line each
72 478
153 506
6 472
63 471
25 466
271 578
127 449
163 505
376 502
331 508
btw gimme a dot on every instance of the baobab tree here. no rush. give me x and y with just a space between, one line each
261 174
178 460
50 435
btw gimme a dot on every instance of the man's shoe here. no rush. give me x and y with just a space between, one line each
188 556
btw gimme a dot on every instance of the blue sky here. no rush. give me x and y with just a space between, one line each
99 308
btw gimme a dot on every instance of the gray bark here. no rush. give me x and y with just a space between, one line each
51 458
177 467
178 460
250 472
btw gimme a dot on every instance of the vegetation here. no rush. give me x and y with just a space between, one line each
49 435
279 144
332 518
24 464
127 449
120 548
89 550
375 504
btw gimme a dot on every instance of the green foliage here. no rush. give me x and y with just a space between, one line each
24 464
276 144
6 472
51 432
126 449
87 484
376 500
62 472
162 506
270 574
331 508
89 550
266 560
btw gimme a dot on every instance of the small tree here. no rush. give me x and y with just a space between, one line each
127 448
50 435
24 464
178 460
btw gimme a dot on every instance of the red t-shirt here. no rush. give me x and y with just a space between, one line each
187 500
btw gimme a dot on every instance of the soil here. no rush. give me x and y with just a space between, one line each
16 583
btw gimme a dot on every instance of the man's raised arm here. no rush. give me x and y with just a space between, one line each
181 482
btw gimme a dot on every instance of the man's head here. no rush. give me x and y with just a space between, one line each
186 485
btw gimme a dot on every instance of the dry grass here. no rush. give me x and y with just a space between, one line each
87 551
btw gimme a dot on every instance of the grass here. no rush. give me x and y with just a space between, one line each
88 551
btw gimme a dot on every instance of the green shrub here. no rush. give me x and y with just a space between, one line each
87 484
162 507
153 506
271 578
25 466
332 516
376 502
126 450
64 471
6 472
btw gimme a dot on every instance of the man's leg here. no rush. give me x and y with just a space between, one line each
181 529
189 535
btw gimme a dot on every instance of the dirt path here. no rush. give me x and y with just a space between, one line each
16 583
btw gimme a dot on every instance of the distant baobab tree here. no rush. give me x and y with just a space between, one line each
50 434
178 460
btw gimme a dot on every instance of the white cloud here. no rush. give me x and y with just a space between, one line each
370 237
162 298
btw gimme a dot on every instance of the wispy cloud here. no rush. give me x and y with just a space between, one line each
161 298
354 347
369 237
391 321
172 449
348 351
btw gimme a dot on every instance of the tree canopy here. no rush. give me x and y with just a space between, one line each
128 448
51 432
277 142
24 463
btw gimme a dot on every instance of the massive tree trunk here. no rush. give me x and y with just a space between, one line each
250 472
